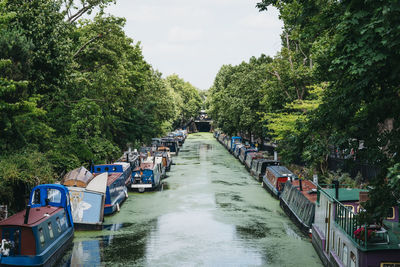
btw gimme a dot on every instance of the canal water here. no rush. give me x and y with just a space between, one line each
210 212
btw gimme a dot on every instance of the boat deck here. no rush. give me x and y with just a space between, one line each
307 187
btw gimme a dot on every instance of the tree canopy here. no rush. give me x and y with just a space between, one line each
334 86
74 90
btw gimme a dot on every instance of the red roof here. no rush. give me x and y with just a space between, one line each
307 186
111 177
36 216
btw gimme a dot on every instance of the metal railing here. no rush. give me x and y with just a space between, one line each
350 223
345 218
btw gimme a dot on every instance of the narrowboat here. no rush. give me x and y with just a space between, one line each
226 142
251 157
298 201
116 191
340 239
87 195
39 235
244 151
146 177
158 160
167 159
275 178
235 140
180 135
172 144
259 167
237 150
221 138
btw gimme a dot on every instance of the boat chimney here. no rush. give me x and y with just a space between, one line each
127 156
301 184
275 155
28 209
336 183
91 166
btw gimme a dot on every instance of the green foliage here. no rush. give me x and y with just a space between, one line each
72 91
187 99
21 171
353 47
233 100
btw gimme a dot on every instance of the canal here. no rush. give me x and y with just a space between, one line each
211 212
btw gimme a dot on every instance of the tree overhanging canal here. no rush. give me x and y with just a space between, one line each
210 212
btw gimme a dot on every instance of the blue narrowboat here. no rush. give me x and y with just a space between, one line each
40 234
235 140
116 191
146 176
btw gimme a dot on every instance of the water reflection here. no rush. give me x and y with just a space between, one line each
195 238
86 253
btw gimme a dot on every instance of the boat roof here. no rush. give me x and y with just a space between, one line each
309 189
345 194
280 171
115 167
36 216
99 184
80 177
112 176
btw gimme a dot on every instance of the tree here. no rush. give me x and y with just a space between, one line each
187 98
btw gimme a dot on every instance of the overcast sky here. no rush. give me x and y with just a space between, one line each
194 38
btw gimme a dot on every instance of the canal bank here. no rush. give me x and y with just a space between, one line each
210 212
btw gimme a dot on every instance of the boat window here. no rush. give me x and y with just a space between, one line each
54 195
114 168
58 225
344 255
41 236
50 230
391 214
36 197
106 169
16 239
352 259
6 234
63 221
98 169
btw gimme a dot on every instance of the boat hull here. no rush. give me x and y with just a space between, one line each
270 188
47 258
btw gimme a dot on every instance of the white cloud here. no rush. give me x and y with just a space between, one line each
178 34
195 38
260 21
